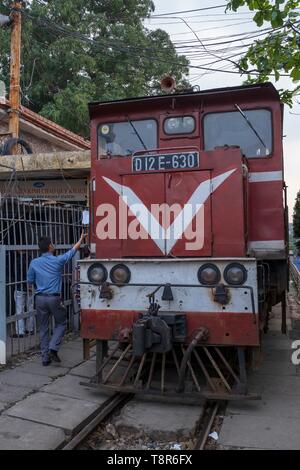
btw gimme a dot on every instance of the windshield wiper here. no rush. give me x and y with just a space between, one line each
250 125
136 133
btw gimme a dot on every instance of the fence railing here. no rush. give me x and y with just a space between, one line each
22 223
295 275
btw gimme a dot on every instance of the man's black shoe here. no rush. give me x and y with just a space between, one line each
54 356
47 363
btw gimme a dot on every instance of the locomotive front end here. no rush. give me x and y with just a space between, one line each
173 295
123 298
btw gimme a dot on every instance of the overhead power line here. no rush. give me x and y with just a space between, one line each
211 28
63 30
227 42
190 11
206 15
218 20
140 52
243 35
201 9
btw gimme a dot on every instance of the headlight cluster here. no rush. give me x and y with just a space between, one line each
119 274
234 274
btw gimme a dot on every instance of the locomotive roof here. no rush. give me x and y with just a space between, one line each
255 92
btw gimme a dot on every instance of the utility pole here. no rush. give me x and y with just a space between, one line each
15 70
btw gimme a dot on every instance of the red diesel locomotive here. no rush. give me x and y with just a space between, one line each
189 238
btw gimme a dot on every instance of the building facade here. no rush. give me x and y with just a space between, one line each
43 135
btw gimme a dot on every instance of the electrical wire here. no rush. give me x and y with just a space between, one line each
224 36
211 29
191 11
204 21
9 189
129 49
114 44
120 47
206 15
254 36
236 64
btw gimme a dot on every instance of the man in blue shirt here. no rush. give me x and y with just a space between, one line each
45 273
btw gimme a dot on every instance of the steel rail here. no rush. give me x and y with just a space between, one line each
208 417
111 404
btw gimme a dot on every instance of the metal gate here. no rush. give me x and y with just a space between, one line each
22 223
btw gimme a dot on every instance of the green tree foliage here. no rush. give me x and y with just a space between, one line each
76 51
279 52
296 217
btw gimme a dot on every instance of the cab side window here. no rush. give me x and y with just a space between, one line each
125 138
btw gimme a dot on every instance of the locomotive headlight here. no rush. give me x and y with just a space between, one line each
120 274
235 274
209 274
97 273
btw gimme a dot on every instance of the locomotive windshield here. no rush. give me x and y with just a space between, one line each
125 138
252 132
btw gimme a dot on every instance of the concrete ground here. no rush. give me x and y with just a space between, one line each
159 420
273 422
40 407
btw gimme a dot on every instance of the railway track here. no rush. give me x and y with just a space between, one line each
114 403
207 421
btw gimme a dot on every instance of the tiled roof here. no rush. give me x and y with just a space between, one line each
50 126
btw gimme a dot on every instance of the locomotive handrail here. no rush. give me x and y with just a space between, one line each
250 288
159 149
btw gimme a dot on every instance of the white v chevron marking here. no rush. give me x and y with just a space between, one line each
175 231
190 209
145 217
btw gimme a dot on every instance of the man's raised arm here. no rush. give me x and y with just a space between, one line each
78 244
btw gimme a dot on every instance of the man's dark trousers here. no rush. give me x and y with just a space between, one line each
45 307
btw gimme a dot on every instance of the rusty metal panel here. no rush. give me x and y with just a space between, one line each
230 329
